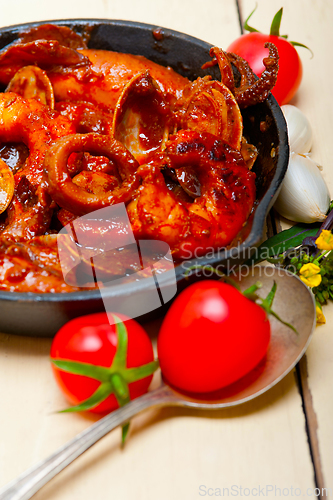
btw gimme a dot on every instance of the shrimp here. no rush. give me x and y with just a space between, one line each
216 214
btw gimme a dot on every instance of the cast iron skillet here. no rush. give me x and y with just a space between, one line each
264 126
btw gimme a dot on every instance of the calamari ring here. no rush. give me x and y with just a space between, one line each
73 198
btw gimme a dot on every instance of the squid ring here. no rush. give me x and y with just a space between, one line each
73 198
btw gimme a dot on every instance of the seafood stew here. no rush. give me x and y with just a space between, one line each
104 128
268 169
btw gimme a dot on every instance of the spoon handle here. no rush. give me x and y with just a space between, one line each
28 483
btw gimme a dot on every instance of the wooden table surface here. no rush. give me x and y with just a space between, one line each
280 444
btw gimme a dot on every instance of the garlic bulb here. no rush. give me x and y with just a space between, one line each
304 195
299 129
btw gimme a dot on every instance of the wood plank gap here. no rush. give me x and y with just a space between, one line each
240 17
271 225
311 425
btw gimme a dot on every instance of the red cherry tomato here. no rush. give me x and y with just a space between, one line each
211 336
91 339
251 47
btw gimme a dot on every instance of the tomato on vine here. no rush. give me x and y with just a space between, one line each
250 46
101 365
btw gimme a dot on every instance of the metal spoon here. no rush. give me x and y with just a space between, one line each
293 302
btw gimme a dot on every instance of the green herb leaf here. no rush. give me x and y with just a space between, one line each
275 26
290 238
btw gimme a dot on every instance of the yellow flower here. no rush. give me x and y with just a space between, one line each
309 274
320 316
325 240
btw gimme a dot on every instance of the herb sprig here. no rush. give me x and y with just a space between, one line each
305 250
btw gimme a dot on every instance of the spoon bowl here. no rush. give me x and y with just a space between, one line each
293 302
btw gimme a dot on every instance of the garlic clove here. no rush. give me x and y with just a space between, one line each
299 129
304 195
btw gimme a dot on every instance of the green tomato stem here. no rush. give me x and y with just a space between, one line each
120 388
250 292
297 44
247 27
275 26
100 373
124 432
101 393
134 374
268 301
114 380
119 360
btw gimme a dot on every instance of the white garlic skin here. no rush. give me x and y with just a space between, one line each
299 129
304 195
